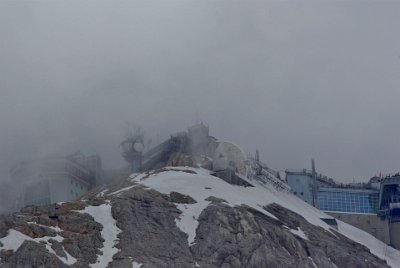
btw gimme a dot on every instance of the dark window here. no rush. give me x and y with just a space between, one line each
302 193
295 193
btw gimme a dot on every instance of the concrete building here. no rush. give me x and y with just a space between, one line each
55 179
198 137
301 183
389 206
373 207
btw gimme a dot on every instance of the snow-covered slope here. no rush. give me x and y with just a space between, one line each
200 185
185 217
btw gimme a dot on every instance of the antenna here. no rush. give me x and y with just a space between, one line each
314 183
132 148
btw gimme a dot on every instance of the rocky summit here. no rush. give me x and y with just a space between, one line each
185 217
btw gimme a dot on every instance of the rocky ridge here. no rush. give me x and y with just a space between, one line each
178 217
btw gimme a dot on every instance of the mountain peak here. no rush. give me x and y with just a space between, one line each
185 217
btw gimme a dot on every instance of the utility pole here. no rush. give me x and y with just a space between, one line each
314 183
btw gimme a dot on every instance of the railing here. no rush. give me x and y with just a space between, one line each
260 172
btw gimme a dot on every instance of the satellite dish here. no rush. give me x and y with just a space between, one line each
138 146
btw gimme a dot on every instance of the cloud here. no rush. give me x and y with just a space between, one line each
316 79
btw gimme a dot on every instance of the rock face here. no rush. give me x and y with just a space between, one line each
226 236
31 254
244 237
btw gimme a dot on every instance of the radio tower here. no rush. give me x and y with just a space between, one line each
132 149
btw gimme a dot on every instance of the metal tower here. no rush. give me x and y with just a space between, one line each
132 149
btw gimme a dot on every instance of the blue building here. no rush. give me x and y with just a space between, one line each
300 182
302 185
370 207
349 200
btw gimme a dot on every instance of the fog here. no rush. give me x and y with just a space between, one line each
295 80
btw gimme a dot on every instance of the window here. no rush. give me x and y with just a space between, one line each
302 193
343 201
295 193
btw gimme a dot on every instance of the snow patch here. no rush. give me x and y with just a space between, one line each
122 190
195 186
198 187
102 193
55 228
102 214
377 247
187 221
313 263
136 265
299 233
137 176
14 240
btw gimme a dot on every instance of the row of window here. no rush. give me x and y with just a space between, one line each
348 202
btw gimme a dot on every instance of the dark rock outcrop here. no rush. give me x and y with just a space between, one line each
181 198
232 178
149 233
31 255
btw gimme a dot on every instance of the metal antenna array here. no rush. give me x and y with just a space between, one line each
132 148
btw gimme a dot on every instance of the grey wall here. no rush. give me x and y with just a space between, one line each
302 185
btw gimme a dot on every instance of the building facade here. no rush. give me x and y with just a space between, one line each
56 179
373 207
300 183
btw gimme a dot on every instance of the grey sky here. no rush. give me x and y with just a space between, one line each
296 79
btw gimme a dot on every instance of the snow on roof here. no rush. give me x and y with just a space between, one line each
202 185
